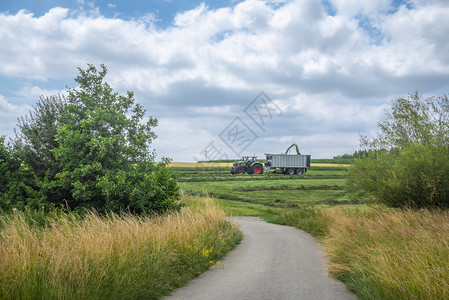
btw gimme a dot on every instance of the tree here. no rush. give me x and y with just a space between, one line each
406 164
35 139
412 120
88 150
104 154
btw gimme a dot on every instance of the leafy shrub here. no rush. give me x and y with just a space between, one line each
418 176
407 163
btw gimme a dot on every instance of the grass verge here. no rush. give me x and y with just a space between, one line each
113 257
382 253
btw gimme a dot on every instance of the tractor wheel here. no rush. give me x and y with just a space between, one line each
257 169
291 171
239 170
232 171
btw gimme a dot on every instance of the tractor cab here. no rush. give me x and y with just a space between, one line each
248 164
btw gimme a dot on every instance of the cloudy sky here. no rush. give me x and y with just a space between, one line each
232 77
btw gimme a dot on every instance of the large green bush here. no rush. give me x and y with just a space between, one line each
88 150
408 163
417 176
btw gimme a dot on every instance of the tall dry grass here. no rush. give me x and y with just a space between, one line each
390 254
380 252
113 257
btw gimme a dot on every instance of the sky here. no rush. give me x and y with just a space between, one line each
230 78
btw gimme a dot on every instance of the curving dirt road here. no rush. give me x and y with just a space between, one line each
272 262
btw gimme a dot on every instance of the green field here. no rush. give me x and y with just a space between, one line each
319 186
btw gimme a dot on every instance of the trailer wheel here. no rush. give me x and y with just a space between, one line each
257 169
299 171
291 171
239 170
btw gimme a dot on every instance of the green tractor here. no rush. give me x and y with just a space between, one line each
248 164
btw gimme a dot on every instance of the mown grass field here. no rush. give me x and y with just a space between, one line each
324 163
378 252
320 185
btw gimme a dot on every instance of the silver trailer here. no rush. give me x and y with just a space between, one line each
287 163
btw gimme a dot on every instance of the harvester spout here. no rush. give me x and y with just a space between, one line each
297 150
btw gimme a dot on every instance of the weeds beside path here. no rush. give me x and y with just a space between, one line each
114 257
382 253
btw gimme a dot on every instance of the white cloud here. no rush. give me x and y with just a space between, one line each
231 47
422 39
190 17
34 92
344 66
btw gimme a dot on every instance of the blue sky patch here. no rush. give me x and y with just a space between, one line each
329 8
376 36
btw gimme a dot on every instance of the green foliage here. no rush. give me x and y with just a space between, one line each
418 176
412 120
349 158
6 165
104 153
88 150
17 182
35 138
407 164
34 158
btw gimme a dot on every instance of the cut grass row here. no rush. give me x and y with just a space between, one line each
285 199
113 257
321 163
277 190
239 178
